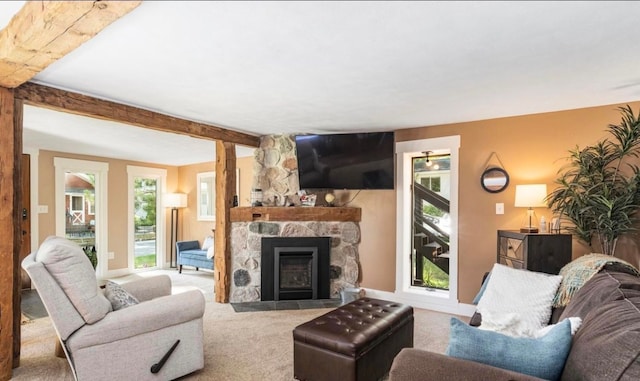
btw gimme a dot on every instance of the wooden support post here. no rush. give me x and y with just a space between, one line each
10 229
18 205
225 190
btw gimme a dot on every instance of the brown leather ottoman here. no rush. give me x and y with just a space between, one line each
357 341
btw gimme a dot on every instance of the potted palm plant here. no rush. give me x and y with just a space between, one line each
598 189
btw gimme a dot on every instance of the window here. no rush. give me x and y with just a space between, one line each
76 203
432 183
206 196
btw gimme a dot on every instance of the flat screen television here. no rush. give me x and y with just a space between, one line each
346 161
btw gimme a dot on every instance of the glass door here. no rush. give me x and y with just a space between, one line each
427 222
145 198
431 225
80 211
146 218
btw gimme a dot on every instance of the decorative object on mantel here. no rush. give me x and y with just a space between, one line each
494 178
307 199
256 197
329 198
530 196
598 189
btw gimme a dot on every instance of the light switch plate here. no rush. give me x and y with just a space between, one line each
43 209
500 208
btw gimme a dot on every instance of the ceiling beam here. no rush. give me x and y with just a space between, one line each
44 31
79 104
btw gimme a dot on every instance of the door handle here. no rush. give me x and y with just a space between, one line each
24 213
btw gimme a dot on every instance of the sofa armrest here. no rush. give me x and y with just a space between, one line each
149 288
187 245
139 319
420 365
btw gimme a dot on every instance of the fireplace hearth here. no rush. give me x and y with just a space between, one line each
295 268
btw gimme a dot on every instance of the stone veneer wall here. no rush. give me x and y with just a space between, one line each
246 246
276 167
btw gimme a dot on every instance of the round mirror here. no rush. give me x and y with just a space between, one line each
494 180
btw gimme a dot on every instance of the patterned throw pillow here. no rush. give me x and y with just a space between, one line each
118 296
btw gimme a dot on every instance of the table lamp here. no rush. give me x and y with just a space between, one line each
530 196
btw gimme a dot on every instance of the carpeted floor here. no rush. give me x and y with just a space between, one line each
238 346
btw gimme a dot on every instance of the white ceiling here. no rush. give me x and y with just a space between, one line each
326 67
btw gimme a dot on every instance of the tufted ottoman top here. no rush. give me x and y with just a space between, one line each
354 327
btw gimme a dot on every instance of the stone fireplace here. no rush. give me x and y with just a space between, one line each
342 234
276 173
294 268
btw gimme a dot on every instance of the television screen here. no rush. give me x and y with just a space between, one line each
346 161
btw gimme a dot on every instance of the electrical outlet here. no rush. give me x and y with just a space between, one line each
500 208
111 255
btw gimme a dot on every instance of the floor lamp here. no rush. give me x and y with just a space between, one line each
174 201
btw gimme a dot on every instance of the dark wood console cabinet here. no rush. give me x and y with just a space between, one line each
532 251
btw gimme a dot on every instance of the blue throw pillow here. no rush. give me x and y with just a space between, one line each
542 357
476 300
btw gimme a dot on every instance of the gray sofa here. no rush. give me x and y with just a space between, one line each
605 348
190 254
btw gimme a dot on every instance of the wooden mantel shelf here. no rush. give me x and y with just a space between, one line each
300 213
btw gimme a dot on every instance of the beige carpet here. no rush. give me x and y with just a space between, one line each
238 346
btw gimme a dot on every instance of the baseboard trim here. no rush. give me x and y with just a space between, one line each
460 309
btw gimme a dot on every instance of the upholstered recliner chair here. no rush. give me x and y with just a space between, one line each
153 336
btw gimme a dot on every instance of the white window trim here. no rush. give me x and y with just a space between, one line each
439 300
101 171
160 175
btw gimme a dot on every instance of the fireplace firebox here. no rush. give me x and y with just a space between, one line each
295 268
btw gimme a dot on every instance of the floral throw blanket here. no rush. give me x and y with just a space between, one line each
579 271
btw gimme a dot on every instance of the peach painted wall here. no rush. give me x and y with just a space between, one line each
190 228
532 149
377 247
116 203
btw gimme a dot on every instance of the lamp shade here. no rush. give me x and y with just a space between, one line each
175 200
531 195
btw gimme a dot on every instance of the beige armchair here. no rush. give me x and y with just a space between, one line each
132 343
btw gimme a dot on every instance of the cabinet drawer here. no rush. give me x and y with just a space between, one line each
512 263
512 248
